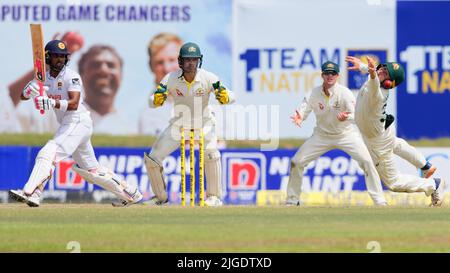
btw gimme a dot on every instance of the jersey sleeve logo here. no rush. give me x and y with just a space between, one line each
76 81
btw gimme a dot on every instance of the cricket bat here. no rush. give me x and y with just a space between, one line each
37 41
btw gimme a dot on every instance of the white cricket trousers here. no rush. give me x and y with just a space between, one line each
382 148
349 142
70 139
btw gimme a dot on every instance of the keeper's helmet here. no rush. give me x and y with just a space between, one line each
190 50
56 47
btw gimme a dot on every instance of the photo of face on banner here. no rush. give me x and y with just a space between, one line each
101 70
162 50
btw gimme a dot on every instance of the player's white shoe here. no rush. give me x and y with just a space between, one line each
437 197
213 201
290 202
34 200
428 173
381 204
137 197
154 201
18 195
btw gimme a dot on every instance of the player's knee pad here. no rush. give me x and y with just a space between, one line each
155 174
108 180
213 170
43 167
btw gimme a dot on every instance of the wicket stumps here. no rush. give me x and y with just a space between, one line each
201 151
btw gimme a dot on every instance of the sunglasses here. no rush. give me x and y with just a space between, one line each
330 73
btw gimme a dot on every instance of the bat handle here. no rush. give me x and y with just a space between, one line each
41 93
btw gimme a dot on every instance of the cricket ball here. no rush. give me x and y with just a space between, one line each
74 41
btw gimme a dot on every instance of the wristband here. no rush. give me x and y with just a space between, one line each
63 104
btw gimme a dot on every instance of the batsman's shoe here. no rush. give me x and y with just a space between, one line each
428 173
18 195
34 199
292 202
137 197
381 204
154 201
213 201
437 197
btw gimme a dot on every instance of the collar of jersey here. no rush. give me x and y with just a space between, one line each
60 73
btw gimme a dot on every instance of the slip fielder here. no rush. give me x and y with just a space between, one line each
379 134
334 106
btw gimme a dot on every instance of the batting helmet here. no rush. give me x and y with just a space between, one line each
55 47
190 50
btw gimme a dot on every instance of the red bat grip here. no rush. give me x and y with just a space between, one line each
41 93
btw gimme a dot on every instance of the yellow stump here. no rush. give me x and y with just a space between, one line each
192 165
183 168
201 180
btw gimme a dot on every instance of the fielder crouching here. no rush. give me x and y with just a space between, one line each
190 87
63 89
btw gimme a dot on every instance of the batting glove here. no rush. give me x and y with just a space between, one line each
44 103
31 90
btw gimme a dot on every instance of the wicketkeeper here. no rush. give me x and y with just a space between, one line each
191 88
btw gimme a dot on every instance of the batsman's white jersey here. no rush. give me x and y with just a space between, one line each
331 133
370 116
73 138
59 87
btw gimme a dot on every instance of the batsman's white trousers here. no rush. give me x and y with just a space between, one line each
381 149
351 143
70 139
74 139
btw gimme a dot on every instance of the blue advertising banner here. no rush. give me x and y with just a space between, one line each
423 47
244 172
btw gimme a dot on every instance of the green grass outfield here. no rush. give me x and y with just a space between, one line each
102 228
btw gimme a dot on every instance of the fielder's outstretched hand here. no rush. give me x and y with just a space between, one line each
353 61
297 118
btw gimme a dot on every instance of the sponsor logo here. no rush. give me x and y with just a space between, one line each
179 93
76 81
66 178
245 171
427 69
285 69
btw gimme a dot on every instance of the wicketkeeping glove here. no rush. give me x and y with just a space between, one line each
160 95
31 90
221 93
44 103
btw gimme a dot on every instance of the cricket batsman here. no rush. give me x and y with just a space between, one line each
63 94
334 107
379 134
191 87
